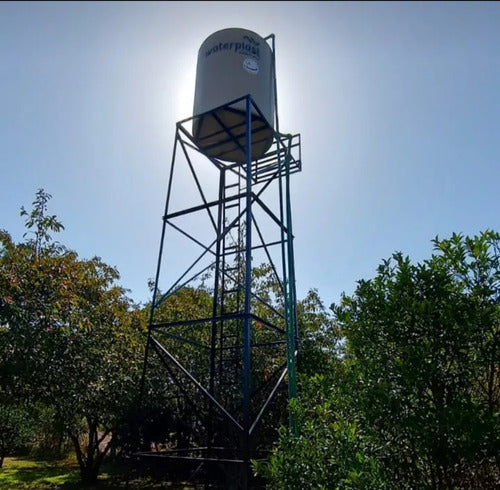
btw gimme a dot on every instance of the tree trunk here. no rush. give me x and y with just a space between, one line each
89 474
90 461
89 466
3 451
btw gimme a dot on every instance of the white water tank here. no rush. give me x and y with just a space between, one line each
231 64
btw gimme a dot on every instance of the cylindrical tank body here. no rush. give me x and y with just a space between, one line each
231 64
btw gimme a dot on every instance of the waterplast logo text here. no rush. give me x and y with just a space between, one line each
248 46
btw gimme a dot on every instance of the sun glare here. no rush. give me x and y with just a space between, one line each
185 93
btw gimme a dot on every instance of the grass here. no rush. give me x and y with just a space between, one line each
20 473
28 474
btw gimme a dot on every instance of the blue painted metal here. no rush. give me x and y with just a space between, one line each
231 329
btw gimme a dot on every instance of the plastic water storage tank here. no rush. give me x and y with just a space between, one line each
231 64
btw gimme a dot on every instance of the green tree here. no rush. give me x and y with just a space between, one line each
43 224
70 337
16 428
415 393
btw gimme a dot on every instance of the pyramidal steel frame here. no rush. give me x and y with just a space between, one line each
247 345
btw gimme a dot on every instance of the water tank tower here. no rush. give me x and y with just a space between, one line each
229 358
231 64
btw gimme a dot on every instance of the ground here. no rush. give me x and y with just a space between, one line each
27 474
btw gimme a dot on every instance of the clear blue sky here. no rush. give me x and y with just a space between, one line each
398 105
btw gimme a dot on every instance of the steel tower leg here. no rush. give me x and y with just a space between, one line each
215 362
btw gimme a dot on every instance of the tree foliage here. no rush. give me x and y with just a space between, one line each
413 399
16 428
69 337
399 383
37 218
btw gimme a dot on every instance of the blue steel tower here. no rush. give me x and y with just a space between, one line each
219 366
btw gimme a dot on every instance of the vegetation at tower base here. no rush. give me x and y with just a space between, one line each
69 339
412 399
399 383
171 420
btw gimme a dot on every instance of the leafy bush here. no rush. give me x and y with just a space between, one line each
413 398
